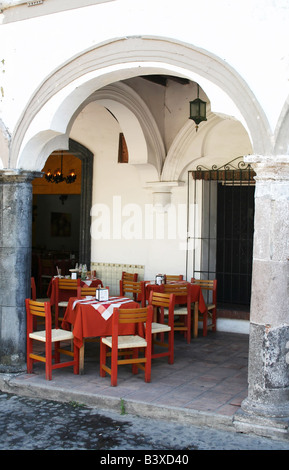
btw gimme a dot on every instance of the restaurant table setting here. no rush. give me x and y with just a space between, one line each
196 295
92 318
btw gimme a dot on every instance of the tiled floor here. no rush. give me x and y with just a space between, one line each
209 375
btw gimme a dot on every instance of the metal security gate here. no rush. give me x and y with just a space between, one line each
220 229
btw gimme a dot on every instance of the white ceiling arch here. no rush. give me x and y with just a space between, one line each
136 121
127 57
213 142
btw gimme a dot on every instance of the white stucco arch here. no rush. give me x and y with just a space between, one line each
126 57
142 135
143 139
190 146
187 146
281 133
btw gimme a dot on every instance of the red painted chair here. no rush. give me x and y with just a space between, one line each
174 277
209 286
67 285
46 271
83 291
183 310
136 289
116 343
129 276
161 301
49 337
33 289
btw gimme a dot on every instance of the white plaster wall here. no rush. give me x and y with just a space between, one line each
119 193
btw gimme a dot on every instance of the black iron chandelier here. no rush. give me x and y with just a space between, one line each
57 176
198 110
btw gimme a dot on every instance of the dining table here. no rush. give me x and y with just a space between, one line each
89 318
196 298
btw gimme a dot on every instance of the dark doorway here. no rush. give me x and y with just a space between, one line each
75 244
220 229
235 225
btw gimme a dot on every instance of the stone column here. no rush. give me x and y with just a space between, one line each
268 376
15 265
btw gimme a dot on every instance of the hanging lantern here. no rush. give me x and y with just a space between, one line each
198 110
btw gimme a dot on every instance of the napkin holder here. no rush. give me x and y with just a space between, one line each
101 294
160 279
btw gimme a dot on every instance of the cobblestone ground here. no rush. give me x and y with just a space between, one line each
37 424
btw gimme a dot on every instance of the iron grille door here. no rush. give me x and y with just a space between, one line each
235 225
220 226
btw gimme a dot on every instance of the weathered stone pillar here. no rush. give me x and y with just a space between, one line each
267 405
15 265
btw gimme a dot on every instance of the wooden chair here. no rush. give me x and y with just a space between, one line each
129 276
33 292
137 289
174 277
210 287
48 336
34 297
83 291
180 310
134 342
33 289
46 270
66 285
160 301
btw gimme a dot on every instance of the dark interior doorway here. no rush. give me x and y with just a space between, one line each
71 209
220 230
235 225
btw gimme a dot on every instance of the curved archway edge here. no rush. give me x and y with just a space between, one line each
107 58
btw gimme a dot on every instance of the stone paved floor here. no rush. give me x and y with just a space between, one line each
208 375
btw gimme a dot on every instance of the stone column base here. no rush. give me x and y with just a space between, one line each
273 428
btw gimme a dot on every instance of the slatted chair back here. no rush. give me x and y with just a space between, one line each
68 285
129 276
117 343
83 291
135 289
208 286
182 308
174 277
163 302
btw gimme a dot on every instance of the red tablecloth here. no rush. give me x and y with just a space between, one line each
64 295
196 294
88 322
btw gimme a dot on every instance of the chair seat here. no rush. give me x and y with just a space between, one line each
177 311
211 306
57 335
126 341
63 303
160 328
